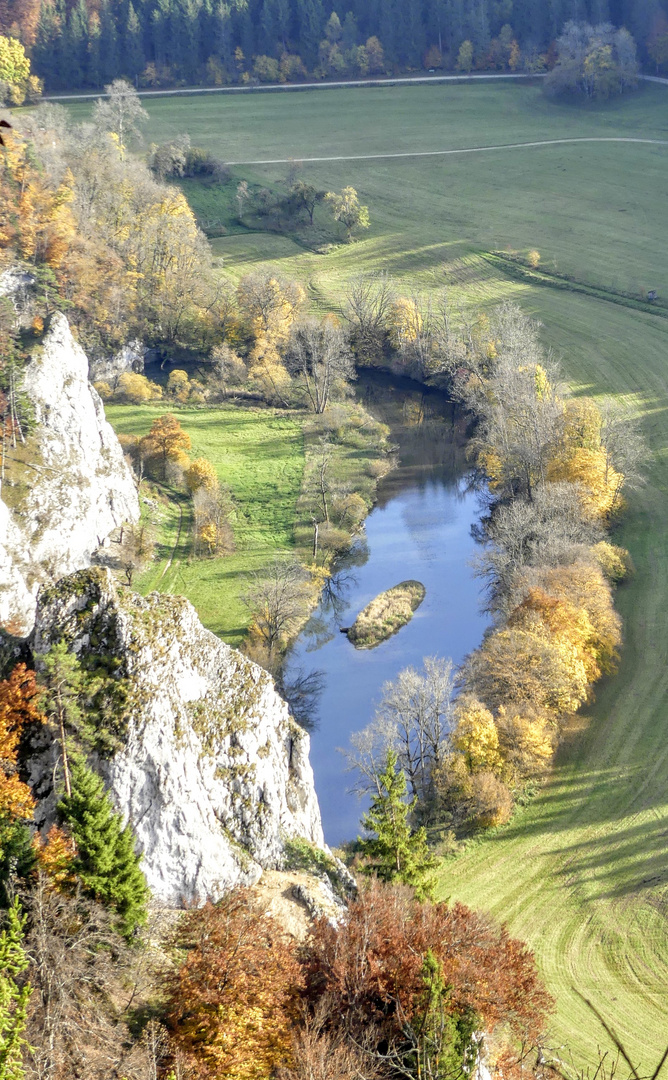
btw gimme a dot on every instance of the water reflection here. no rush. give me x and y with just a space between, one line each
421 528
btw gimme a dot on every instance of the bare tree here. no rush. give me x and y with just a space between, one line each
318 352
550 531
415 718
277 599
84 978
624 444
136 549
367 306
121 113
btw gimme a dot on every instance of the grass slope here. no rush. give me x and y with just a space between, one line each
581 873
259 456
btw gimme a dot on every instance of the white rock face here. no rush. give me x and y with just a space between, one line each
212 771
81 488
109 368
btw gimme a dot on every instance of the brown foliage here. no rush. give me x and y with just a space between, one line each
232 1002
369 970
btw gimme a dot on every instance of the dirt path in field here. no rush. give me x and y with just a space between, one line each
445 153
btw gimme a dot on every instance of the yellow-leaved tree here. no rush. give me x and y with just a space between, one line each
16 82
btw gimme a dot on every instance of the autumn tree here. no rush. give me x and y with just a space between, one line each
20 709
167 440
382 972
232 1001
393 851
347 209
201 474
369 300
16 82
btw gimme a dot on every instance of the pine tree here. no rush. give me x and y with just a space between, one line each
395 852
106 862
13 999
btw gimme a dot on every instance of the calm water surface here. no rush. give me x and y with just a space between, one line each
421 528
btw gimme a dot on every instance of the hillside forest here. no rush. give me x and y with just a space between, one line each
215 43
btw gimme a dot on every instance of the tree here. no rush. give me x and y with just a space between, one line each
20 698
277 599
347 209
415 719
232 1002
13 998
84 979
120 113
106 862
166 439
395 852
380 976
62 678
136 549
201 473
319 354
369 300
465 57
16 82
304 196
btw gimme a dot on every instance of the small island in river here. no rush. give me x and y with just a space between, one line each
386 614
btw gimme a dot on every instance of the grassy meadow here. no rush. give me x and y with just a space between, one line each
259 455
582 871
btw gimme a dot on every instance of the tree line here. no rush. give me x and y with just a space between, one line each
554 467
169 42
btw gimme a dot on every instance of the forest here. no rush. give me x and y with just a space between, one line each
213 43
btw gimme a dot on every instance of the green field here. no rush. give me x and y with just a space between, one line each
582 872
259 456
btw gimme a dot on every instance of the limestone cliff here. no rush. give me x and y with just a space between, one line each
209 767
76 489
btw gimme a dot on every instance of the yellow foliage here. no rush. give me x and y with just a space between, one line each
515 664
268 370
178 385
491 802
208 534
527 740
201 474
583 584
475 735
615 562
600 483
137 388
564 623
405 322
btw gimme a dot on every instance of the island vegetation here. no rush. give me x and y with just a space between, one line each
386 614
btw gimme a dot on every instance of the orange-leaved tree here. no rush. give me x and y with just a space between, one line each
415 983
232 1002
167 440
19 706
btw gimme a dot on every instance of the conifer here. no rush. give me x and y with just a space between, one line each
13 998
395 852
106 862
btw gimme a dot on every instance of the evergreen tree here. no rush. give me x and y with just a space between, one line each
395 852
13 999
106 861
134 61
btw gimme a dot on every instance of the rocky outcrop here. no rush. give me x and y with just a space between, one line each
209 767
75 487
129 358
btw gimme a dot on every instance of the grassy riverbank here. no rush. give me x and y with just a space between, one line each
259 455
580 873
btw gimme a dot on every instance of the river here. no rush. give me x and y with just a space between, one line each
420 528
